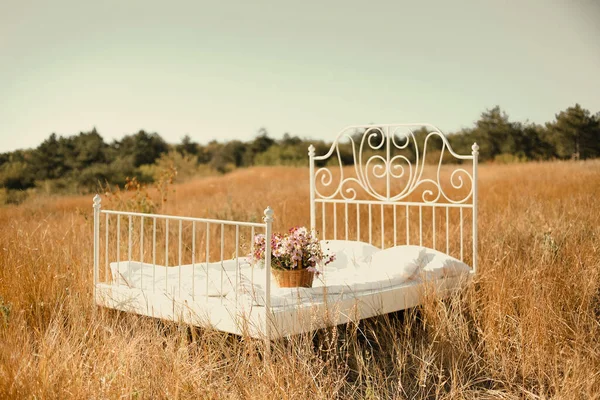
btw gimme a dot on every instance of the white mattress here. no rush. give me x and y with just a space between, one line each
359 268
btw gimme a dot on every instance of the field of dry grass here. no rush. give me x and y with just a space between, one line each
529 327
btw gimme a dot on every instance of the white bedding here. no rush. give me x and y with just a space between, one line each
359 268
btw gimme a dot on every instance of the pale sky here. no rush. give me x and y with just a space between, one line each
222 70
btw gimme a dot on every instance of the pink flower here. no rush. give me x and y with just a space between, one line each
299 248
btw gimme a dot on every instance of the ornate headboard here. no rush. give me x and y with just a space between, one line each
390 167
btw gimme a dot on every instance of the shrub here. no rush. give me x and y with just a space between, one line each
16 175
184 165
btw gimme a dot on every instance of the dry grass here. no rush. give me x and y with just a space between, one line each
528 328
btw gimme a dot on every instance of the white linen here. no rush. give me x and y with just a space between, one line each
182 281
359 267
362 268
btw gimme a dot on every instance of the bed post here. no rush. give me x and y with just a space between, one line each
311 158
269 229
97 201
475 152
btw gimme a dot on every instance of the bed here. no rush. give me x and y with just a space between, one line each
394 203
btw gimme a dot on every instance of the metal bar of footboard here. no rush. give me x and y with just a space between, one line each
168 253
174 217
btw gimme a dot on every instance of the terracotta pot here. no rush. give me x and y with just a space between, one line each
293 277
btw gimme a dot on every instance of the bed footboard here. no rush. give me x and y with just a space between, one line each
175 260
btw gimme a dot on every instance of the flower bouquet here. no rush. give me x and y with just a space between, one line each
295 256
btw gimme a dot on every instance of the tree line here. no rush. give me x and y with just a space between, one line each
79 163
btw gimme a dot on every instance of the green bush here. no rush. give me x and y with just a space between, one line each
184 165
91 177
16 175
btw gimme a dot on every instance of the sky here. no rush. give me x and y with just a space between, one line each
222 70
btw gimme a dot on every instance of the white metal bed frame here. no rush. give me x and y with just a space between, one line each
271 322
389 166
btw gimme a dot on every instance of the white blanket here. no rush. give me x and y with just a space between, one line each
359 268
215 279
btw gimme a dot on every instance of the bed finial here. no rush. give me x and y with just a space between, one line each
97 201
475 148
269 214
311 150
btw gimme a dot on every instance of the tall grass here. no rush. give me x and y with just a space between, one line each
529 326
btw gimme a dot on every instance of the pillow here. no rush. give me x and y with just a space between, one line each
402 262
348 253
411 261
442 265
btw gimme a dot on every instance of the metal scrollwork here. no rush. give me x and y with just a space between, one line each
376 155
